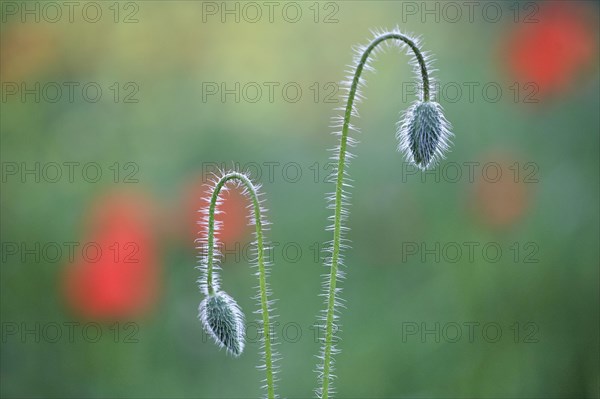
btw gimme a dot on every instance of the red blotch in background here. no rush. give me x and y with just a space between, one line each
117 277
502 191
553 46
27 49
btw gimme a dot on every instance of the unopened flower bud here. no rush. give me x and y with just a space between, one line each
424 134
223 319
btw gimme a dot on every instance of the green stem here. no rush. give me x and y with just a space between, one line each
337 226
261 263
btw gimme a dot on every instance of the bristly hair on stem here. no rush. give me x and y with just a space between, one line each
423 135
221 317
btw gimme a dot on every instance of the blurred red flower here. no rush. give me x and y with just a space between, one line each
27 49
116 275
502 190
552 46
233 214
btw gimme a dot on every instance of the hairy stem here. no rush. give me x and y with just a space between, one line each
261 263
337 225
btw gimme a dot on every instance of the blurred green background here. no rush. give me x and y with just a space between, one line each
410 296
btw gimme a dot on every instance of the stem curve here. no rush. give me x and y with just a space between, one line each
253 193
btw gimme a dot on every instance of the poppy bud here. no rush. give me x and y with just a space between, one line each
424 134
223 319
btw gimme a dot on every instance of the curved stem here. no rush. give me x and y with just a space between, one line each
261 263
337 226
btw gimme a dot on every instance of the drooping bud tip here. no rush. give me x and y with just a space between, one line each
223 319
424 134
